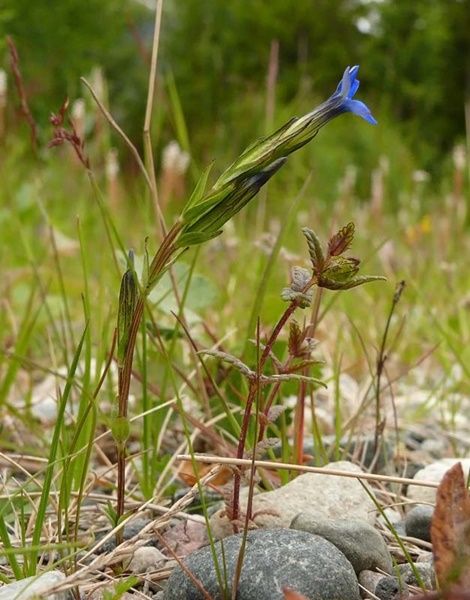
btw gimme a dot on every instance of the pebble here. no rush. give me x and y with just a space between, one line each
434 472
34 587
425 570
320 496
418 522
145 558
273 559
384 587
130 530
362 545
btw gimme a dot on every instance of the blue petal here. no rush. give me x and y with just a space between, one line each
354 88
353 71
359 108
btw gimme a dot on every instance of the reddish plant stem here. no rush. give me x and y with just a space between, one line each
299 417
249 405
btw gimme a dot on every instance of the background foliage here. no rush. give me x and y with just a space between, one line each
414 56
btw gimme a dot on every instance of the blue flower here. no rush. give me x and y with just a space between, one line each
345 93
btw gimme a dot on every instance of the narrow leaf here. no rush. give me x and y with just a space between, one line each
198 191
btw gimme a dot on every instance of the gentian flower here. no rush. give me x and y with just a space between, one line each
207 212
342 99
299 131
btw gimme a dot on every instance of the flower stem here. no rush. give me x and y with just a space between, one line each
157 266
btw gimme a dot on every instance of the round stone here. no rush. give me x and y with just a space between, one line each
273 560
418 522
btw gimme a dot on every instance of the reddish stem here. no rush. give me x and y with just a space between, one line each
249 405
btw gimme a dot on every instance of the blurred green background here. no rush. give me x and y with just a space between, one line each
414 57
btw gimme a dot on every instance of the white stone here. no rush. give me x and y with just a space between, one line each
34 587
433 473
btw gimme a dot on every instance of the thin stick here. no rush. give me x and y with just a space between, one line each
381 362
267 464
108 116
148 116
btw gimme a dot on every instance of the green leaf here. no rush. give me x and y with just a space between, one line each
330 284
341 269
197 195
195 238
120 429
314 249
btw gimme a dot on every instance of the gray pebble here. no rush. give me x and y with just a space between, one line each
362 545
273 559
425 570
130 530
418 522
385 587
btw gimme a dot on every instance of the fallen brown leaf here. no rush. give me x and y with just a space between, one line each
189 475
450 535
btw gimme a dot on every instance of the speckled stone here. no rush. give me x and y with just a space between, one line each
425 570
273 559
362 545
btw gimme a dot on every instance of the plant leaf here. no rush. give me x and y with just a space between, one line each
314 249
450 532
198 191
341 241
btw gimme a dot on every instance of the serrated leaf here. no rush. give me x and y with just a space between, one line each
340 242
314 249
300 278
304 299
450 532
